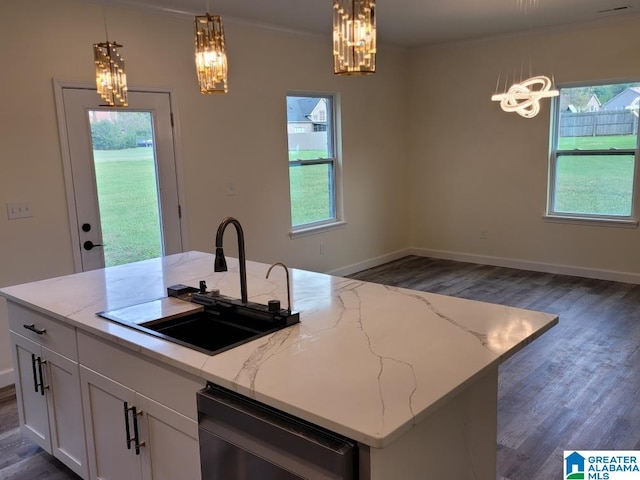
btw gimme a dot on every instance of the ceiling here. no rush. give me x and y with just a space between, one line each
409 23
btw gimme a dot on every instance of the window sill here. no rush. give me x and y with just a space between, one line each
592 221
308 231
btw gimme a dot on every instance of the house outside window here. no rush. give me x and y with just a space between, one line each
593 161
313 161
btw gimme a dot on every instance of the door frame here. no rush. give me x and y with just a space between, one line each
58 86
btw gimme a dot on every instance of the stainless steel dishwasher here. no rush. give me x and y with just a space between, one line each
241 439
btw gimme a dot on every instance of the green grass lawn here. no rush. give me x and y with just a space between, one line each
310 187
129 214
601 185
595 143
129 204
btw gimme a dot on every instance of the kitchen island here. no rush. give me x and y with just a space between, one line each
411 376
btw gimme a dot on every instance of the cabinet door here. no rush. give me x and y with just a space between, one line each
171 448
32 402
62 378
105 425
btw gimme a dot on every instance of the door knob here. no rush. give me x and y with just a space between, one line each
88 245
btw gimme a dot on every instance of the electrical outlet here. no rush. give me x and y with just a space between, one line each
231 189
323 249
483 234
19 210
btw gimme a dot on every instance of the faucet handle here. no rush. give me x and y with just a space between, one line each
274 305
286 270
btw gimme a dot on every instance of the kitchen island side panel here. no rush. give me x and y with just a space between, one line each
456 442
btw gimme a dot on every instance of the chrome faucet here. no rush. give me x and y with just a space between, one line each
220 264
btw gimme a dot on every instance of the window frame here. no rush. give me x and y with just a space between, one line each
334 160
630 220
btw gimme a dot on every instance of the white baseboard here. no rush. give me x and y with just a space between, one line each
612 275
374 262
600 274
6 378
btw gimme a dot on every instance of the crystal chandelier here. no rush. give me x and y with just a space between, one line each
211 54
354 37
111 79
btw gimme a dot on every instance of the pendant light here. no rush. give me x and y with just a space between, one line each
354 37
523 97
211 53
111 79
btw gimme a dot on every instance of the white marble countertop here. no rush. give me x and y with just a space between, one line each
367 361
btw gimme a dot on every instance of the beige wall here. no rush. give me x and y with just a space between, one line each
237 138
474 167
429 160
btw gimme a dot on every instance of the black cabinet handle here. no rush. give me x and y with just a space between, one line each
41 384
35 376
33 328
126 424
136 436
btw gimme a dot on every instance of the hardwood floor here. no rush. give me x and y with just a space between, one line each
21 459
577 387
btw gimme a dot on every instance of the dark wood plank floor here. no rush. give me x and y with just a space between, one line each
21 459
577 387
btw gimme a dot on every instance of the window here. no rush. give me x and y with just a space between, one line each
593 152
313 166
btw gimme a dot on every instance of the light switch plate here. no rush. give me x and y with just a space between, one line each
19 210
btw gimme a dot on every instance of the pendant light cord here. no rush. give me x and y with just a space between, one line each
104 16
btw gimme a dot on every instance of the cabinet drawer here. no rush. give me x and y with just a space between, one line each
166 385
55 335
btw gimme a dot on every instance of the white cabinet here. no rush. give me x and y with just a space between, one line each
48 386
32 405
72 388
173 450
110 454
120 415
130 436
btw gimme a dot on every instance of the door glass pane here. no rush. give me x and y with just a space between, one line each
126 179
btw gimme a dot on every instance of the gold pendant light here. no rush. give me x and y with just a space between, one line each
111 79
211 54
354 37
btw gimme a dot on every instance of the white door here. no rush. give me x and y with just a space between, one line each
123 177
107 423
